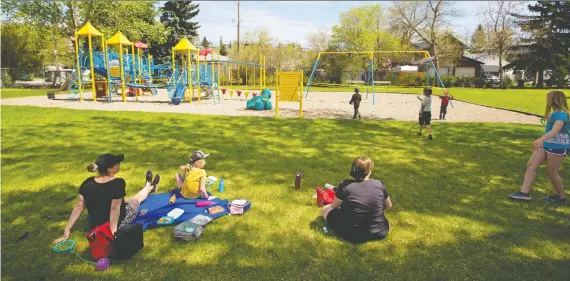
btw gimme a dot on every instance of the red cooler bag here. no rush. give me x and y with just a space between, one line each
101 241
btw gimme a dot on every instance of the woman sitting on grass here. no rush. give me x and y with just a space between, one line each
357 212
104 196
553 147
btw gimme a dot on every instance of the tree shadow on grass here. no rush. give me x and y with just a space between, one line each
451 219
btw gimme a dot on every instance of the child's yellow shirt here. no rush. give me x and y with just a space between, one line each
191 186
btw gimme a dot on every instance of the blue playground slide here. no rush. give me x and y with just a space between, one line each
177 85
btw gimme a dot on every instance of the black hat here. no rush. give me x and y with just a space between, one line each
106 161
197 155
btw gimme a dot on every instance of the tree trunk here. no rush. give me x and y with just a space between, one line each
501 82
540 82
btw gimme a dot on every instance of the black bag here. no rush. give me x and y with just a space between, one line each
128 241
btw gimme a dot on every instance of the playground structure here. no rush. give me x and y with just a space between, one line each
368 76
289 89
120 64
233 70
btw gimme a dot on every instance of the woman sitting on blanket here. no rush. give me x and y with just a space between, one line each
357 212
104 196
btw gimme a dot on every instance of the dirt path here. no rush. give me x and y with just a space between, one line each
318 105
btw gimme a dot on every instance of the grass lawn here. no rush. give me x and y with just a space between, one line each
451 219
8 93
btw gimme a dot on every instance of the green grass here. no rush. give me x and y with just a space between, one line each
451 219
8 93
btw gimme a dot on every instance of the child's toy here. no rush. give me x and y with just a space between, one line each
238 207
102 264
68 246
204 203
261 102
221 185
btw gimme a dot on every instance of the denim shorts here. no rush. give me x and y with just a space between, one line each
557 151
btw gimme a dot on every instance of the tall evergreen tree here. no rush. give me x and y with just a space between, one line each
177 17
205 44
223 49
548 47
479 40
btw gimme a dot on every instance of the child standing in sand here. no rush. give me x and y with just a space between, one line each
355 100
192 184
425 112
444 103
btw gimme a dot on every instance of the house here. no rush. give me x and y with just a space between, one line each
491 64
464 66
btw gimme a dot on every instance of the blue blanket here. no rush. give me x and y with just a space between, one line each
156 206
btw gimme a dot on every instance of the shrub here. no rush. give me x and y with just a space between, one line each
6 79
448 80
468 82
479 83
459 81
488 84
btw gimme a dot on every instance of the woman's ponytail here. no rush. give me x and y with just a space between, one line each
92 167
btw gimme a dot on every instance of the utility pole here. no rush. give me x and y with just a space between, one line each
238 32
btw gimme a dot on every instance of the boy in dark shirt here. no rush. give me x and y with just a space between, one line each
444 103
356 98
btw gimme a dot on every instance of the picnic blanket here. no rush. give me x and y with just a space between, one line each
156 206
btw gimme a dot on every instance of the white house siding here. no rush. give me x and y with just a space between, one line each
464 71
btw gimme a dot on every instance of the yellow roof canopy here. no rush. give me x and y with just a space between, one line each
184 46
88 29
119 39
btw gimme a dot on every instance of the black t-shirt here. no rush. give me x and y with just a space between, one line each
98 197
362 207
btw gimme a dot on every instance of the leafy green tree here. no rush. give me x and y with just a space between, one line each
21 48
548 46
177 18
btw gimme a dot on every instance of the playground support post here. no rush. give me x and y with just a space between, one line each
301 94
106 54
80 85
264 73
198 63
122 71
261 73
312 74
133 71
372 77
189 84
277 91
92 68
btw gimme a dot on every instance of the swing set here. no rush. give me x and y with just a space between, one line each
370 71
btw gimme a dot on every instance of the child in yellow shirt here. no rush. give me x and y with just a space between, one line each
192 184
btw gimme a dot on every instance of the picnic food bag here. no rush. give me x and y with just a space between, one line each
238 207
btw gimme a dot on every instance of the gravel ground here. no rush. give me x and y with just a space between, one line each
402 107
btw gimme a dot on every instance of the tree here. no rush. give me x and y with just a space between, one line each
223 48
426 21
177 18
21 48
205 44
500 27
479 40
547 46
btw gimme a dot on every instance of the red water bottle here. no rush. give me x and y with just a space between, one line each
298 181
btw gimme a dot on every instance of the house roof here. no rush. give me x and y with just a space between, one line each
422 45
488 60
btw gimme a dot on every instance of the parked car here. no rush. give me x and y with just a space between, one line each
492 80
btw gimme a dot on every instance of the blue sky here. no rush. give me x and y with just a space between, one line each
293 20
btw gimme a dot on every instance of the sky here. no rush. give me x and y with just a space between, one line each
292 21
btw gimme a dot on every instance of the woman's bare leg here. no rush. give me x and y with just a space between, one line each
554 163
137 200
538 156
326 210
